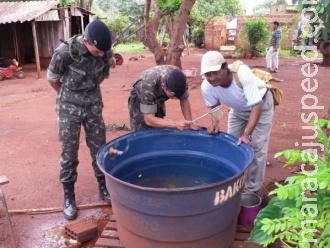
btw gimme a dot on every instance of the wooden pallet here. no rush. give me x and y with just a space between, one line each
109 237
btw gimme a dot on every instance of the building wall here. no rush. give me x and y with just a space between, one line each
17 39
290 20
215 32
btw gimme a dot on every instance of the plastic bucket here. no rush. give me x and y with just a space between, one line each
250 207
176 189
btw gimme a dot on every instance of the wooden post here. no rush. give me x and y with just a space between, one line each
17 55
36 50
82 23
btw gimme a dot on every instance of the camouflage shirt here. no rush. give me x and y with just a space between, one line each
148 96
81 75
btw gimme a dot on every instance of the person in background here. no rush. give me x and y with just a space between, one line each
251 114
153 87
76 70
272 59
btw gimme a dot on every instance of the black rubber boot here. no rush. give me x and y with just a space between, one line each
103 192
69 207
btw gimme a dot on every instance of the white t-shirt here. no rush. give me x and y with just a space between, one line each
233 96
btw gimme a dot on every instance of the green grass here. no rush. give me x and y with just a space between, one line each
130 48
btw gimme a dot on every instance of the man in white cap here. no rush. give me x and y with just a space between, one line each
252 109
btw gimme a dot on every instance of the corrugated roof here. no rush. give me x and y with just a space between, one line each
24 11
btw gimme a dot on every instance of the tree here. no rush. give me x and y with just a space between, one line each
175 26
175 15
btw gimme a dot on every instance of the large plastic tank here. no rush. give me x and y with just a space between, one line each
176 189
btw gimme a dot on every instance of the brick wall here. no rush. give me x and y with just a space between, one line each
215 31
215 34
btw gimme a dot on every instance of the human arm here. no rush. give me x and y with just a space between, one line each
214 128
252 122
56 69
156 122
186 112
55 85
211 101
107 60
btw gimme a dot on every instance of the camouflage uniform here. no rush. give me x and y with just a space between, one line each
78 102
148 97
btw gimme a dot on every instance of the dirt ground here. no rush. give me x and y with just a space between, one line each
29 148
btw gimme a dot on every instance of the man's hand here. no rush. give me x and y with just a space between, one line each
244 139
213 129
182 125
194 126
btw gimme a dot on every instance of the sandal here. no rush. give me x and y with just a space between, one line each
276 71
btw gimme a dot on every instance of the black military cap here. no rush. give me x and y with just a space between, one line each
98 34
176 82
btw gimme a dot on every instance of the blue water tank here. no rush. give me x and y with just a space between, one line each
176 189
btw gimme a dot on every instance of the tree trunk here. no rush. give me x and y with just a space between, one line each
176 28
325 50
326 60
176 45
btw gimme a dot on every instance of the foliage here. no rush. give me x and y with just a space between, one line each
264 8
169 6
197 32
173 14
117 24
285 36
243 42
257 33
299 214
319 18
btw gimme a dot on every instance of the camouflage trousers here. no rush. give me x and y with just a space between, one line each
69 135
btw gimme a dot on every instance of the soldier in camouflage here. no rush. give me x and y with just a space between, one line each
147 99
76 71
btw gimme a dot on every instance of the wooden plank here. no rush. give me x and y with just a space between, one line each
113 218
110 234
111 225
109 243
109 237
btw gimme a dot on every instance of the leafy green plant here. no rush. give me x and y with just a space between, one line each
299 214
257 34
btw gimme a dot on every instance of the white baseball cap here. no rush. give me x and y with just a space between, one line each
211 61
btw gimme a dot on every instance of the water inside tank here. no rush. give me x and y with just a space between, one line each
175 171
